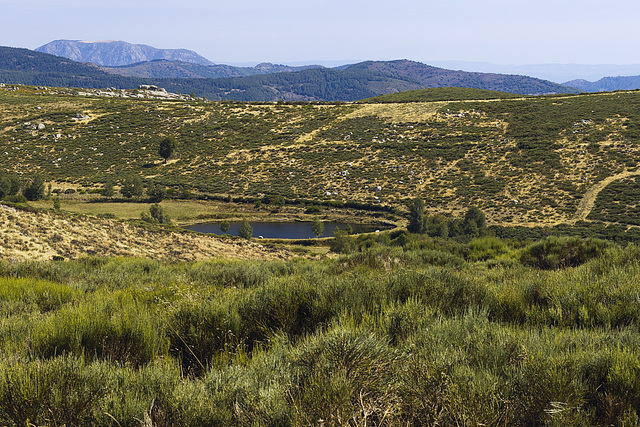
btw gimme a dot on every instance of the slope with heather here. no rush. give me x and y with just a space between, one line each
522 161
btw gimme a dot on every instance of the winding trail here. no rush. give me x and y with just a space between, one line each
589 199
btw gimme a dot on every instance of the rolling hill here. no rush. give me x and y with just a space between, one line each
179 69
350 83
523 161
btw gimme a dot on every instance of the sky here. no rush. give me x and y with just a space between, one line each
313 31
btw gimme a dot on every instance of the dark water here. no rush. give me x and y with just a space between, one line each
285 230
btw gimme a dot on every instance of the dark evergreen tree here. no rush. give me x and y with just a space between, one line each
5 185
166 148
35 190
107 190
416 216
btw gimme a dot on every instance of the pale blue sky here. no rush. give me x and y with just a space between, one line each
287 31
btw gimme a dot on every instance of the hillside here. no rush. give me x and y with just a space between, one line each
430 77
440 94
115 53
38 236
180 70
352 83
523 161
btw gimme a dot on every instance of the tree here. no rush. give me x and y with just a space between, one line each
224 226
246 231
317 226
35 190
156 193
166 148
132 187
15 185
416 216
437 226
5 185
107 190
474 222
342 243
156 215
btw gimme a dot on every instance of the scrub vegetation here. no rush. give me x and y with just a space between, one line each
523 161
404 330
509 295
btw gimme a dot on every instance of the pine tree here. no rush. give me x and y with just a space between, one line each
166 148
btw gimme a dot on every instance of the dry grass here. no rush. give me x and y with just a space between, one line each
42 235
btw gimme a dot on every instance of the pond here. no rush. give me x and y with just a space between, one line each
285 230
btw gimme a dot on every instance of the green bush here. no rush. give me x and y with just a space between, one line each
61 391
561 252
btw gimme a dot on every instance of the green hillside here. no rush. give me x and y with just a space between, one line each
440 94
531 161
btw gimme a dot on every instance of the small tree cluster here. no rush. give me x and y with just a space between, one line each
132 187
156 215
156 193
473 224
9 185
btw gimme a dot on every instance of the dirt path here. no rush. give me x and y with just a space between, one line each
589 199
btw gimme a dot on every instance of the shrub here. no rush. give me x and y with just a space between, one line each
560 252
64 390
35 190
313 210
342 243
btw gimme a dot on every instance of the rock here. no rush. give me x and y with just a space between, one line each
41 126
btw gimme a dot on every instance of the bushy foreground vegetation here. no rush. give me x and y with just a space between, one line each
407 331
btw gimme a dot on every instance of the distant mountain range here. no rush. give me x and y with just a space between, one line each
147 62
607 84
557 73
265 82
117 53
